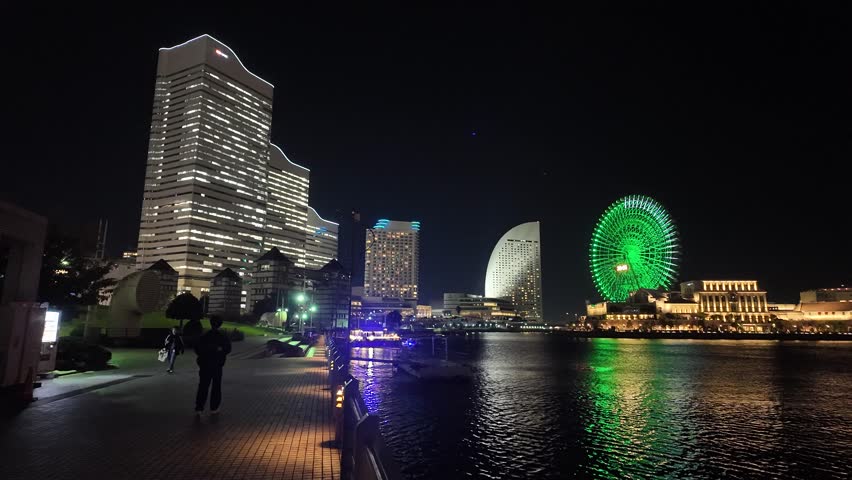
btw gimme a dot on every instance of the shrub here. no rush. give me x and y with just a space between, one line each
284 349
248 319
236 335
74 353
77 331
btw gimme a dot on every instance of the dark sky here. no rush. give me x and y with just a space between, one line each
736 119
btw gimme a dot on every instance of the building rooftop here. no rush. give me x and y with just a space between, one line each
333 266
228 273
275 255
162 266
825 306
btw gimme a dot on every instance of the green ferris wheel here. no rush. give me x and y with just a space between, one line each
634 246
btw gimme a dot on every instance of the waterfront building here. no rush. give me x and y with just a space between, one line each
731 301
840 294
392 260
205 196
424 311
332 289
375 308
667 305
825 304
320 241
322 295
225 295
514 270
287 206
622 315
477 306
273 277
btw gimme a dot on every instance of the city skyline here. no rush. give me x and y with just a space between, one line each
442 113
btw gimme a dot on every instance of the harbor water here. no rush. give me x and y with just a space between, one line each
549 406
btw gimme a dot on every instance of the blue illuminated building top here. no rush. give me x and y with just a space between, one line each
384 223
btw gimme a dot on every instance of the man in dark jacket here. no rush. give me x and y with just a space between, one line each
174 347
211 348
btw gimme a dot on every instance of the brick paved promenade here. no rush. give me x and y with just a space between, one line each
275 424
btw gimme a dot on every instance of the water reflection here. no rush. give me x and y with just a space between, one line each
544 406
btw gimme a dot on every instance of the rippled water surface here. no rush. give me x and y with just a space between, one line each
548 406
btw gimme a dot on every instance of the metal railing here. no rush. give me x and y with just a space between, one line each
363 455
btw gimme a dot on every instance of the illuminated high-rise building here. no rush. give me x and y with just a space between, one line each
287 207
514 270
320 241
392 260
205 197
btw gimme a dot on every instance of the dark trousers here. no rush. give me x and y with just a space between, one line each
207 375
172 355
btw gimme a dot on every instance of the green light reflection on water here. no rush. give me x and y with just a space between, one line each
627 400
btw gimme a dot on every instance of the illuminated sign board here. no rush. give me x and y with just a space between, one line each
221 53
51 327
621 267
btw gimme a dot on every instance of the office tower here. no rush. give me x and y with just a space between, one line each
205 198
320 241
392 259
514 270
286 207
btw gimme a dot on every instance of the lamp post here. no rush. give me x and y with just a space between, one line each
300 299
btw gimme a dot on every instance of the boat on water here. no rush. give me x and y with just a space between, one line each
374 338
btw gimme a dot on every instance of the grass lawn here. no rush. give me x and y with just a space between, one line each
159 320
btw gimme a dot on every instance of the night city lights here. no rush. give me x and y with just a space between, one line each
399 242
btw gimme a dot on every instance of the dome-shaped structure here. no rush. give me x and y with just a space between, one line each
514 270
634 246
137 292
134 296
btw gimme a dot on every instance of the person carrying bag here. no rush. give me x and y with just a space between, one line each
173 348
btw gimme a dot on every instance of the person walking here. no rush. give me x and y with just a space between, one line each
211 348
174 347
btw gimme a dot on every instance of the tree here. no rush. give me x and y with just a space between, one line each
393 320
68 279
458 310
185 307
264 305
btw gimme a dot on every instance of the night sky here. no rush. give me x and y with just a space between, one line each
475 120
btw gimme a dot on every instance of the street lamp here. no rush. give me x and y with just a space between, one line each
312 309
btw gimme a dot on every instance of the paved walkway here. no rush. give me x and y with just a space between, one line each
275 424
